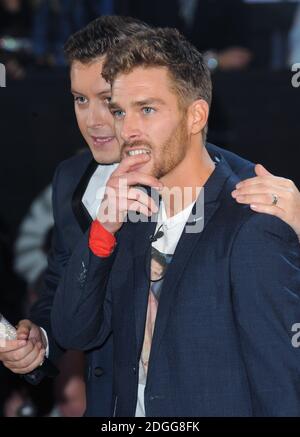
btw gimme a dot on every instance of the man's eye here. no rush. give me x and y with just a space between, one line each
107 100
118 113
148 110
80 100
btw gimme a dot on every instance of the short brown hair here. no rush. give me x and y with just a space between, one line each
101 34
163 47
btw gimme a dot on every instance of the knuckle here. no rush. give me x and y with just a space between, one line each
263 185
135 174
289 195
16 356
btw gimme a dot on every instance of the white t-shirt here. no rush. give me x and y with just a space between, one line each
161 255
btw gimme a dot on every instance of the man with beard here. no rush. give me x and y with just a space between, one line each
230 294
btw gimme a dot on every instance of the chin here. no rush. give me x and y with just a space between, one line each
105 157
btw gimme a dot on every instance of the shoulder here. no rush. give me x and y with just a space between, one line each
249 228
75 166
240 166
263 233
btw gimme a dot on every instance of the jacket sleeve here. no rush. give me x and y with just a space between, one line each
81 313
40 311
265 274
57 260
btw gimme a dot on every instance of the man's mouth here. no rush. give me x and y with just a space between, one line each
138 152
139 148
102 140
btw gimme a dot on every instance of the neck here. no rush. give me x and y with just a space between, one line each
183 184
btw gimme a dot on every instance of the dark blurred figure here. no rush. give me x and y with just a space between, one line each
217 27
15 17
294 40
155 12
17 397
12 294
55 20
12 289
270 23
69 386
15 31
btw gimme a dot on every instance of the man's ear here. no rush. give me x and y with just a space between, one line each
197 116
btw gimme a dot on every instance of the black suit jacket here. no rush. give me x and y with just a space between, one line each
72 220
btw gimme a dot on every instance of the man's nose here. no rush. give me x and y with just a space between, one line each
129 130
94 117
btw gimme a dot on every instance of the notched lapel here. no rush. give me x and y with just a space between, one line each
142 247
82 215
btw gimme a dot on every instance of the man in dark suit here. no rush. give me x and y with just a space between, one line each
75 184
209 340
76 198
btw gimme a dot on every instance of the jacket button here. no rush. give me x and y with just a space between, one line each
98 371
134 370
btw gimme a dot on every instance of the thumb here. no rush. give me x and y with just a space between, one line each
260 170
23 329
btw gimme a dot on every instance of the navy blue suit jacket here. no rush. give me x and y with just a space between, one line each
222 340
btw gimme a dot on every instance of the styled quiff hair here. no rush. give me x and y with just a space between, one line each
163 47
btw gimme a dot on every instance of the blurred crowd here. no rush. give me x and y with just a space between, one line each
32 32
32 35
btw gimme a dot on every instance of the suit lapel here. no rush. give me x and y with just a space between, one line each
185 247
141 259
82 215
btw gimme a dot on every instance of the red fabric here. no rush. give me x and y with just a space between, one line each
101 241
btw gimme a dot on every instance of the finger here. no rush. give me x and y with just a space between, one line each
23 360
260 170
264 199
132 179
267 209
267 180
36 362
11 345
130 161
139 178
31 357
23 330
142 197
262 188
139 207
22 353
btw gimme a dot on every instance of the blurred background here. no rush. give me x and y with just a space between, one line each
250 47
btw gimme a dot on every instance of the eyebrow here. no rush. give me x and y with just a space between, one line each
102 93
139 103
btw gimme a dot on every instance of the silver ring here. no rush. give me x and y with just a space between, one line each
275 199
